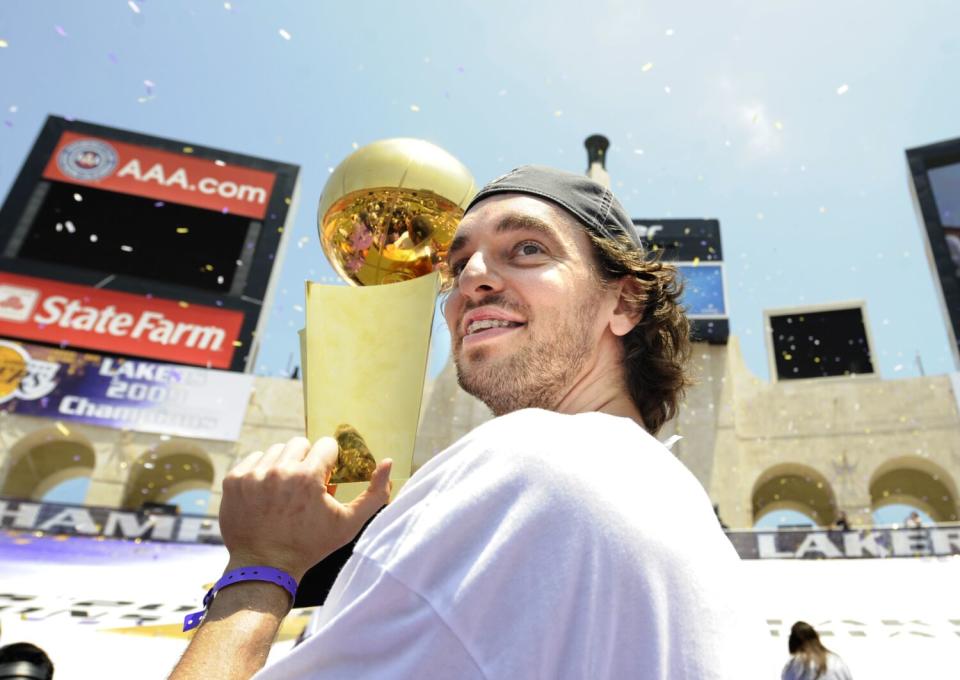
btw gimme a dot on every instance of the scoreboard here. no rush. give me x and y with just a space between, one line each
135 245
694 246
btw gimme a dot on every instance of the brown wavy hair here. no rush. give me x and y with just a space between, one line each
657 350
804 644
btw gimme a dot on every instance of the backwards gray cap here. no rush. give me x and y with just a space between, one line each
591 203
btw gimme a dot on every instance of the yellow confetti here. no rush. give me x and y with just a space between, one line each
62 429
183 230
237 343
287 200
787 357
4 43
184 304
208 267
777 124
646 67
188 149
696 262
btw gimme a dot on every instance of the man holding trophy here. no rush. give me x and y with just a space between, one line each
534 546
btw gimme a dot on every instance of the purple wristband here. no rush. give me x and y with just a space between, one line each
254 573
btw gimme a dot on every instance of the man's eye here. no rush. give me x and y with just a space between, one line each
529 248
456 267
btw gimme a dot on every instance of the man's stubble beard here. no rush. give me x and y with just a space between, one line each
538 374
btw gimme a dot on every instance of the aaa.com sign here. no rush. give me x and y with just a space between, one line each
161 175
121 323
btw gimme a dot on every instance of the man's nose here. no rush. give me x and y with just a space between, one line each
479 276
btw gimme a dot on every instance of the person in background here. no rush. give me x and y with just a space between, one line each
809 659
841 522
24 661
913 520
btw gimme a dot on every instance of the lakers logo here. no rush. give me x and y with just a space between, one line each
22 376
13 369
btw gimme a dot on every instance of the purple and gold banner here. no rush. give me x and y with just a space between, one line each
122 393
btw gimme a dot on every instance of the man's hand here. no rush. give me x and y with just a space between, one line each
276 510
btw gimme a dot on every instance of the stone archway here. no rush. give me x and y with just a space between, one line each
162 473
918 482
44 459
792 486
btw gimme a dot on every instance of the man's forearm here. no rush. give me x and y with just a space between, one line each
236 635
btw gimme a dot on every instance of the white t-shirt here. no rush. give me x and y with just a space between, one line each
795 669
540 545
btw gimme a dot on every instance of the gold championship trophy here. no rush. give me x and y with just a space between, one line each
386 218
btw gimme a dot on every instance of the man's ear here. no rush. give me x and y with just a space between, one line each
626 314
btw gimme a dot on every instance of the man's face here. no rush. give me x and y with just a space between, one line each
526 312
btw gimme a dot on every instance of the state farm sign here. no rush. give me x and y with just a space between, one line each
80 316
173 177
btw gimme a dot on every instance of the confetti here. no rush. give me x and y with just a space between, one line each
59 29
227 6
354 145
502 93
219 162
62 429
188 149
760 216
4 43
669 32
638 152
777 124
183 303
149 84
666 88
126 249
414 108
78 198
558 113
134 7
284 33
93 238
823 210
843 89
646 67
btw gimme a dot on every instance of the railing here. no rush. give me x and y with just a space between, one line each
857 543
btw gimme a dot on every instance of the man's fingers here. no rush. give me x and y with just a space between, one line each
294 450
246 464
323 456
376 495
270 457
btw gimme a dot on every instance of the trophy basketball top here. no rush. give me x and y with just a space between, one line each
389 211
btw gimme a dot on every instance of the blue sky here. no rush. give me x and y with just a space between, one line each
786 120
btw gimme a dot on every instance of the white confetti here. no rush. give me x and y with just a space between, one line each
669 32
646 67
843 89
666 88
284 33
823 210
414 108
134 7
126 249
219 162
639 152
558 113
227 6
71 228
13 109
78 198
93 238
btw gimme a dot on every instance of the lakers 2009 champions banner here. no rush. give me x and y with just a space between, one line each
122 393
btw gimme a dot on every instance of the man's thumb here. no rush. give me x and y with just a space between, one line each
376 495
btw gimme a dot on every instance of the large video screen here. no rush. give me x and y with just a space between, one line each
820 344
111 232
